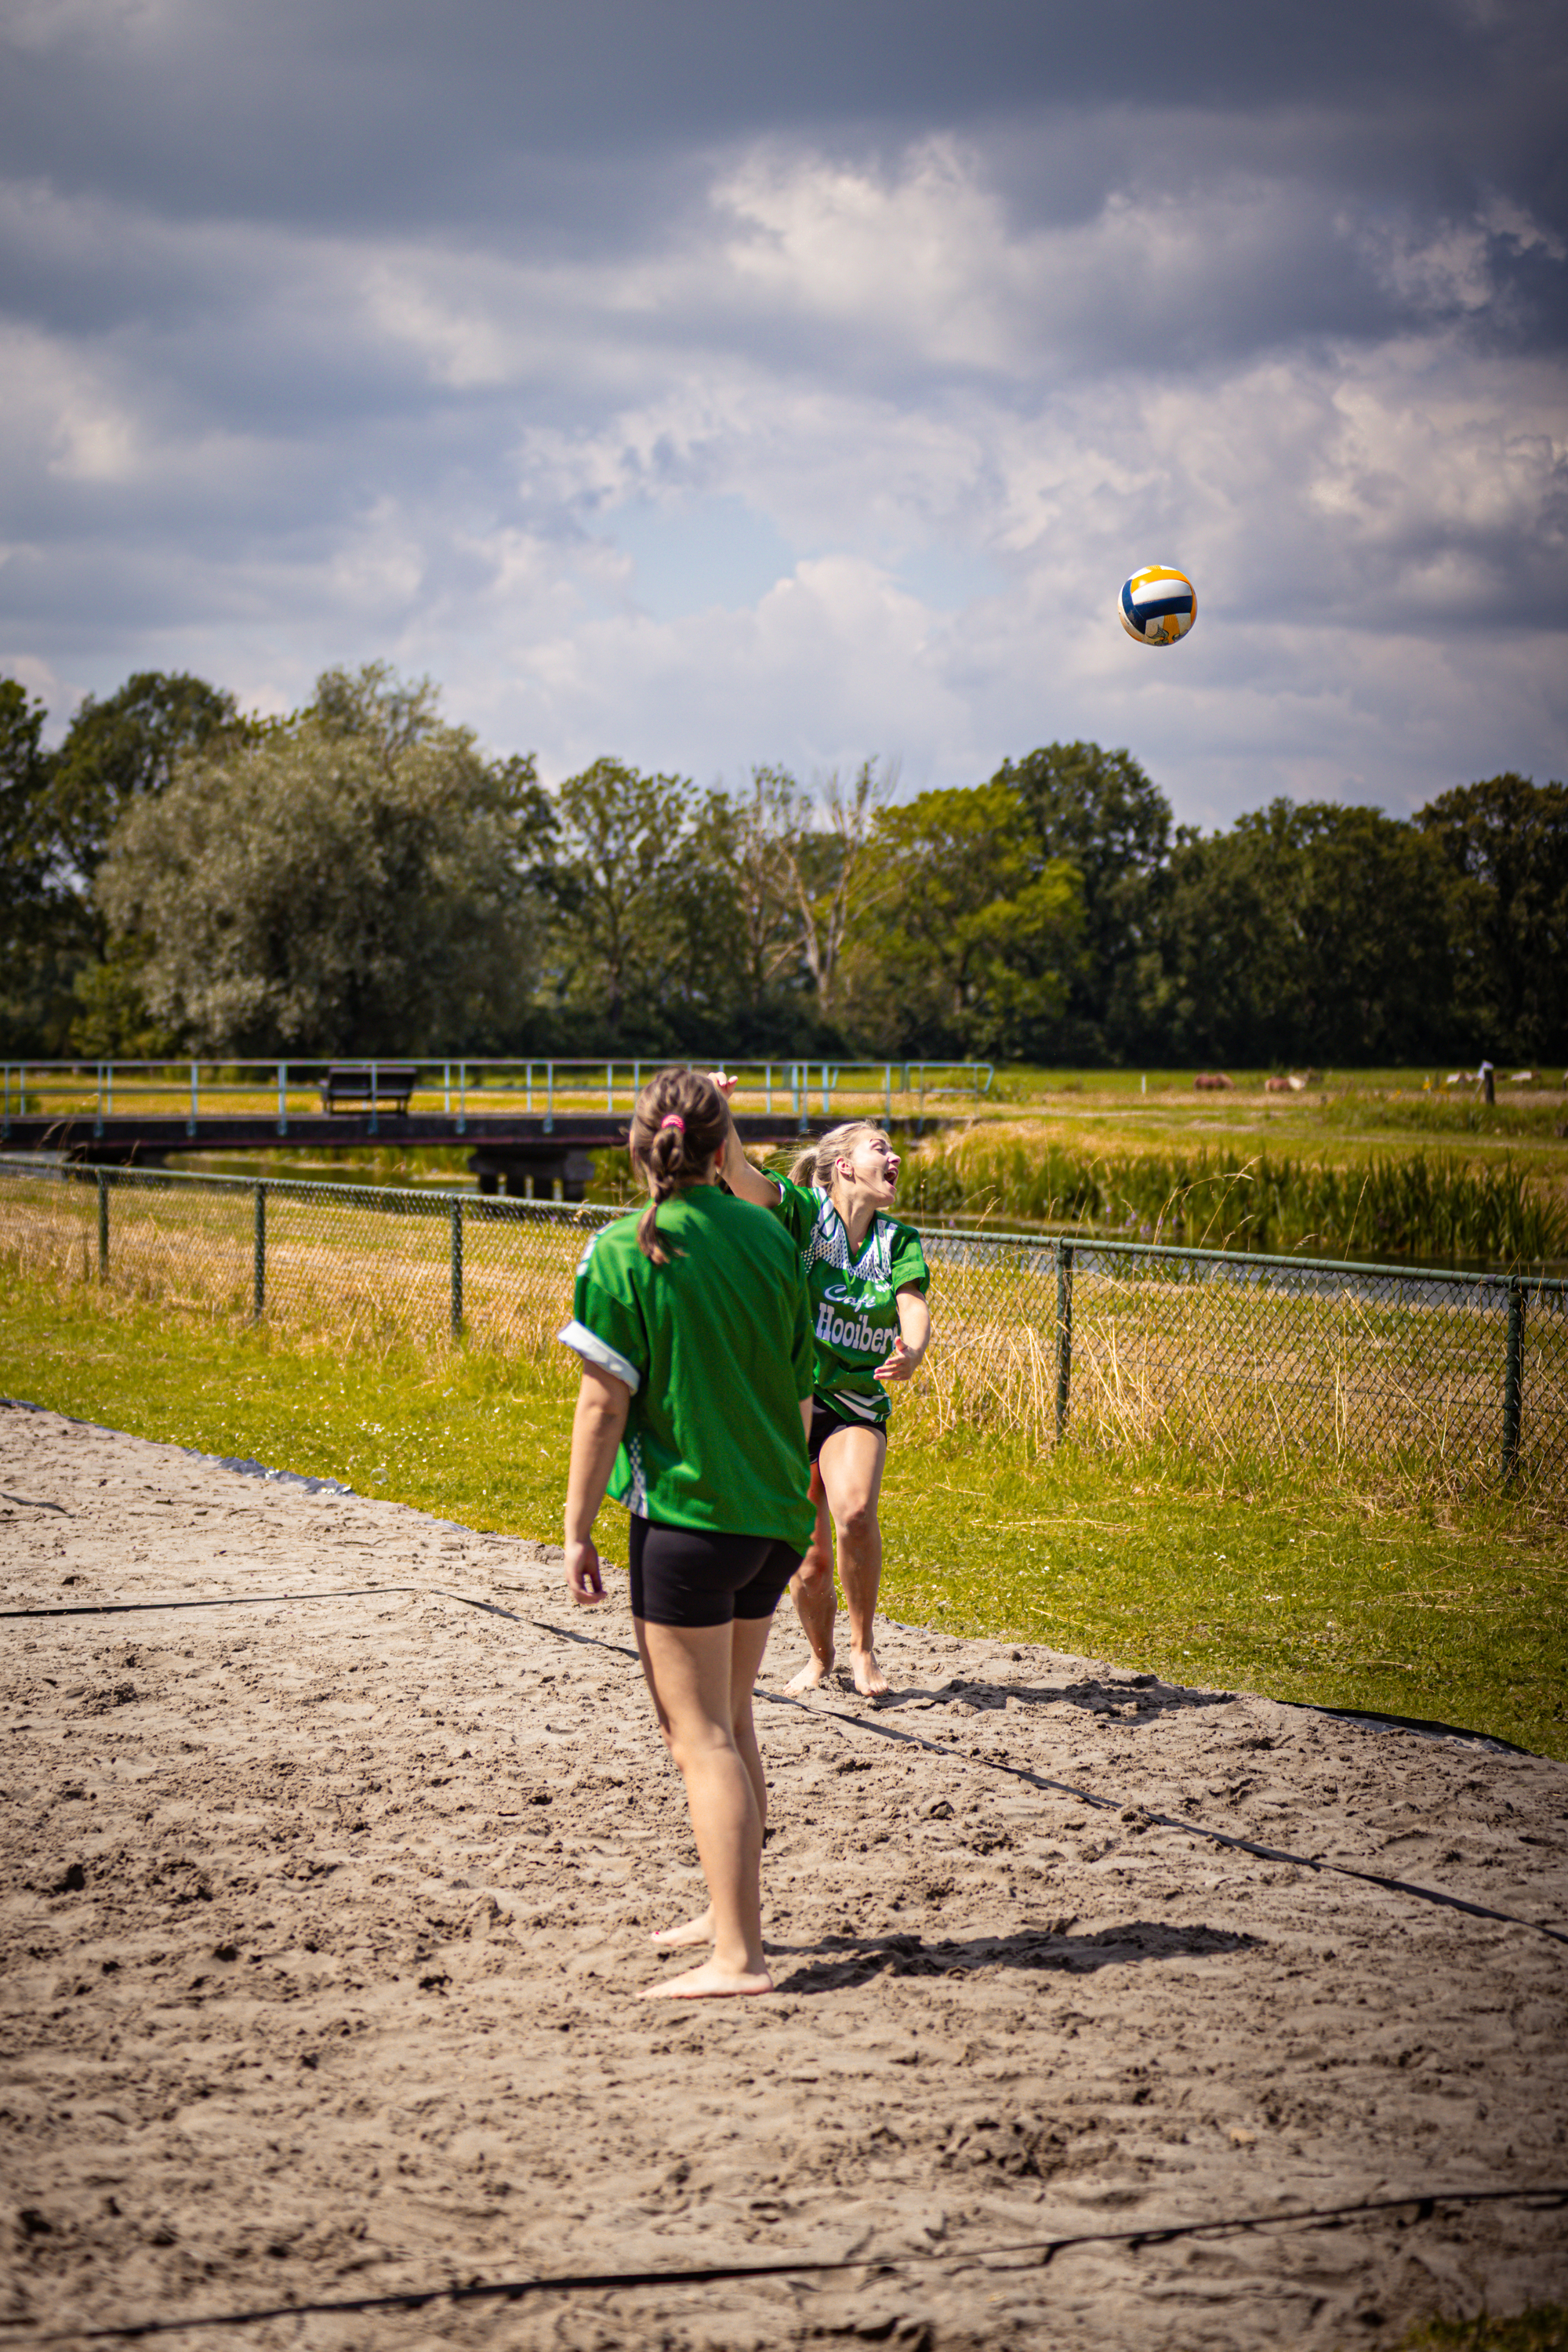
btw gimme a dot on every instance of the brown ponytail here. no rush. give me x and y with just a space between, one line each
816 1164
672 1156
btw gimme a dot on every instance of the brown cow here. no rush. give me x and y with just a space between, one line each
1213 1082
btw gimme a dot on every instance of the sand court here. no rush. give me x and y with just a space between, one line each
321 1917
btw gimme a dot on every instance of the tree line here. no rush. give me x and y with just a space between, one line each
360 877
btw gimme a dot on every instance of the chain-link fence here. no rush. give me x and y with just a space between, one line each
1458 1380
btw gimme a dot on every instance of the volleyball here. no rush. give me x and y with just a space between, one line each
1158 604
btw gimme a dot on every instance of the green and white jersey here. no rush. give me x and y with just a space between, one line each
715 1347
854 1304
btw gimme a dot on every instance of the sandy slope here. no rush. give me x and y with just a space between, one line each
320 1917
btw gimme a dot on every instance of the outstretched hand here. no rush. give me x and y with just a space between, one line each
725 1084
585 1578
901 1365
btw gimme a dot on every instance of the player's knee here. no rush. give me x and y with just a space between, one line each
698 1743
857 1521
815 1569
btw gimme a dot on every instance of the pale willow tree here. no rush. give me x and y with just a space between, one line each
355 881
808 870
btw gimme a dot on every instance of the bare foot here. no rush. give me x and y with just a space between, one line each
695 1931
816 1670
869 1679
709 1981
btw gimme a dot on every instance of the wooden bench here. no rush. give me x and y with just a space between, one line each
347 1087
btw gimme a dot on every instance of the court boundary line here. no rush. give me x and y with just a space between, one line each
1014 2255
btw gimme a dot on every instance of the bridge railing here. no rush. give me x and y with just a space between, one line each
1457 1381
469 1086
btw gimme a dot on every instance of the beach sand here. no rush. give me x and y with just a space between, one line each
322 1917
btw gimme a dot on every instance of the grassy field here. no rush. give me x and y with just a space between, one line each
1377 1163
1236 1574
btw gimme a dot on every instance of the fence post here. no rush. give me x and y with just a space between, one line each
1514 1380
97 1122
456 1265
1064 1335
103 1224
195 1101
282 1097
260 1304
375 1103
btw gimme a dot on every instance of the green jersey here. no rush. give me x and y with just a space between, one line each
715 1347
854 1304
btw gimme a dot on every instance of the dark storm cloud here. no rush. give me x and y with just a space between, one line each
396 110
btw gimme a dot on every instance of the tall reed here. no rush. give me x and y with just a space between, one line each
1411 1205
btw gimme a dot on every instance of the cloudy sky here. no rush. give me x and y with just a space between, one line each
710 383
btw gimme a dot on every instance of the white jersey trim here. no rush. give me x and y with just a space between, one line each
636 1494
848 1405
595 1350
829 1241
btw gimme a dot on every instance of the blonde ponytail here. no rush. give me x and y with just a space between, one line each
816 1164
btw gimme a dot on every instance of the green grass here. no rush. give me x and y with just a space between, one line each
1242 1578
1542 2328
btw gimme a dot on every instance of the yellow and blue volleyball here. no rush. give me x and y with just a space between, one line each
1158 604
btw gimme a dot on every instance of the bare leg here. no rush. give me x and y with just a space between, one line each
750 1640
811 1590
851 1464
690 1673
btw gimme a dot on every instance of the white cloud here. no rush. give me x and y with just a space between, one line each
253 448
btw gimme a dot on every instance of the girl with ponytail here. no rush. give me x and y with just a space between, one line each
693 1410
865 1274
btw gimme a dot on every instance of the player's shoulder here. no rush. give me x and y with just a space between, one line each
901 1241
754 1228
612 1249
806 1197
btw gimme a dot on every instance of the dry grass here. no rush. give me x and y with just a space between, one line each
1227 1367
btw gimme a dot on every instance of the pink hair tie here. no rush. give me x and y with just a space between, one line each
674 1119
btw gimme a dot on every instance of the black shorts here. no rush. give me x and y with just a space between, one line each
686 1576
824 1420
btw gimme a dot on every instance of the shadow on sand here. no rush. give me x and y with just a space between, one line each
843 1960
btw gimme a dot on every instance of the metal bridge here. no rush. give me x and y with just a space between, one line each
531 1127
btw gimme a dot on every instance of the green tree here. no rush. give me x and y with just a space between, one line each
1305 933
973 947
1100 811
122 751
35 1002
115 754
353 880
1504 845
623 912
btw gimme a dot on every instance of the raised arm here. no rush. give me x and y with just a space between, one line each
747 1183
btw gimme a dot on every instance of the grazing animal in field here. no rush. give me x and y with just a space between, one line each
1213 1082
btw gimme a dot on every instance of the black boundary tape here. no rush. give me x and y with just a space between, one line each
857 1722
1025 2253
1113 1804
